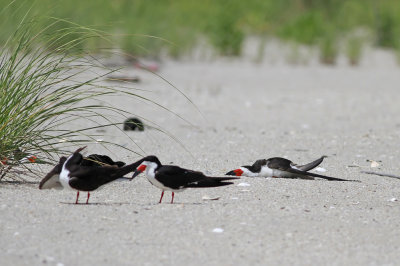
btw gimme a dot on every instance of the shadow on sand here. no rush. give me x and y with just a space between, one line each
98 203
131 203
17 182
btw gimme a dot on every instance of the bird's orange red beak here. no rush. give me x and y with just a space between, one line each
237 172
139 170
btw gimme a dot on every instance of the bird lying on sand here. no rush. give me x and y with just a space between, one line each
175 178
281 167
85 174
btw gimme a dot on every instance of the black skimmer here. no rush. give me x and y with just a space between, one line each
175 178
82 174
281 167
51 180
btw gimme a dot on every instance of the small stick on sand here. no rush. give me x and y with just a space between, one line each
123 79
4 172
380 174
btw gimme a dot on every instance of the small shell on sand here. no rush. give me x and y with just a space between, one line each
218 230
320 169
206 197
374 164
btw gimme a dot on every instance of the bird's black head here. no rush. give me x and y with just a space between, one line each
256 167
75 159
148 161
62 160
152 159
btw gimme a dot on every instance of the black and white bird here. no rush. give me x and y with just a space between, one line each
85 174
51 180
175 178
281 167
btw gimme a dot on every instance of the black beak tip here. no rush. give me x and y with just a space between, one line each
135 174
231 173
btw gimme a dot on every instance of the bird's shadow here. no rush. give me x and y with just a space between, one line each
175 204
18 182
97 203
130 203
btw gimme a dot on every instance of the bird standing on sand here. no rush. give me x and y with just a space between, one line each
175 178
281 167
82 174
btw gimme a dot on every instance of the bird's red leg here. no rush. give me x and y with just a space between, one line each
77 196
172 200
162 195
88 196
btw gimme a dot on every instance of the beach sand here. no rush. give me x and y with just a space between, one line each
248 111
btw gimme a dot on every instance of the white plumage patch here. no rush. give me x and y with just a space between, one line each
247 172
266 171
64 175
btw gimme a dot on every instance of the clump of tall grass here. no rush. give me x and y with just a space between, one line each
42 91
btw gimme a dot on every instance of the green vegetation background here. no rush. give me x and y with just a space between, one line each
224 24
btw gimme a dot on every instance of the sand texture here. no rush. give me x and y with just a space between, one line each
248 111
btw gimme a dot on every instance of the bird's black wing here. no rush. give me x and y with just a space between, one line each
92 177
279 163
87 178
176 177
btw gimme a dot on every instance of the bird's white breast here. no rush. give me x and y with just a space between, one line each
64 176
151 176
266 171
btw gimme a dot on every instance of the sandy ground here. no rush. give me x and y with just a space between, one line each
248 111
